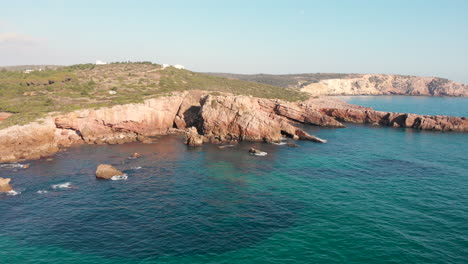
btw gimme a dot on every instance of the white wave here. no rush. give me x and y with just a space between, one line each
42 191
65 185
119 177
14 166
13 193
226 146
136 168
261 153
279 143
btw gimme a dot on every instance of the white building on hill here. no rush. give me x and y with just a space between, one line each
99 62
177 66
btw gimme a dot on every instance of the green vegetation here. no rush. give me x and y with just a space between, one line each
181 80
62 89
286 80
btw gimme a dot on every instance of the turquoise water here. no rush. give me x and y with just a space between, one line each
370 195
423 105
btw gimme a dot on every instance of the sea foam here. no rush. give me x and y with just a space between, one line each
14 166
261 153
279 143
65 185
119 177
13 193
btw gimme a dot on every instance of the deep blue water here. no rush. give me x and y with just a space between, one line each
370 195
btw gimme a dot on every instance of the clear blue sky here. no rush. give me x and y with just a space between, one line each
412 37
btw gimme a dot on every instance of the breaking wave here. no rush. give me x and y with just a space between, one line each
13 193
65 185
119 177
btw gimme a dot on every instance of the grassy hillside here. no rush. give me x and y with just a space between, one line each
286 80
33 95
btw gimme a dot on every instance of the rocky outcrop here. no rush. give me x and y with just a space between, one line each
192 138
106 172
256 151
423 122
31 141
215 119
237 118
5 185
304 114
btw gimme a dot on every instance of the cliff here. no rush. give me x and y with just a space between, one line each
205 117
379 84
358 84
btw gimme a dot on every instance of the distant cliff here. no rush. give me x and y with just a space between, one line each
359 84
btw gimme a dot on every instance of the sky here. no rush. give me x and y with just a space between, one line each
410 37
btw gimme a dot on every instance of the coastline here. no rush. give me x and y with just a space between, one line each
215 119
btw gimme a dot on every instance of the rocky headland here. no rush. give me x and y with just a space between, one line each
358 84
202 117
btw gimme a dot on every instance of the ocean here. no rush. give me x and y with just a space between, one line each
369 195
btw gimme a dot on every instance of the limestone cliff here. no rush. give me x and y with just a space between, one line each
380 84
358 84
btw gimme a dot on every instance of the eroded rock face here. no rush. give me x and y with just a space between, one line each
106 172
192 138
31 141
305 114
123 123
234 118
424 122
5 185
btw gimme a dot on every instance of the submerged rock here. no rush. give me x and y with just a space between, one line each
257 152
293 145
105 171
192 138
5 185
135 155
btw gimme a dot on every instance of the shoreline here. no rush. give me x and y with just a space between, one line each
203 118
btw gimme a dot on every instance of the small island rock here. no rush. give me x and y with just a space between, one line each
5 185
105 171
135 155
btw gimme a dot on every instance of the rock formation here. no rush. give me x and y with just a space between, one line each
215 119
5 185
106 172
423 122
135 155
256 151
192 138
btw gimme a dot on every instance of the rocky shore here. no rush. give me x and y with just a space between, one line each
203 117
